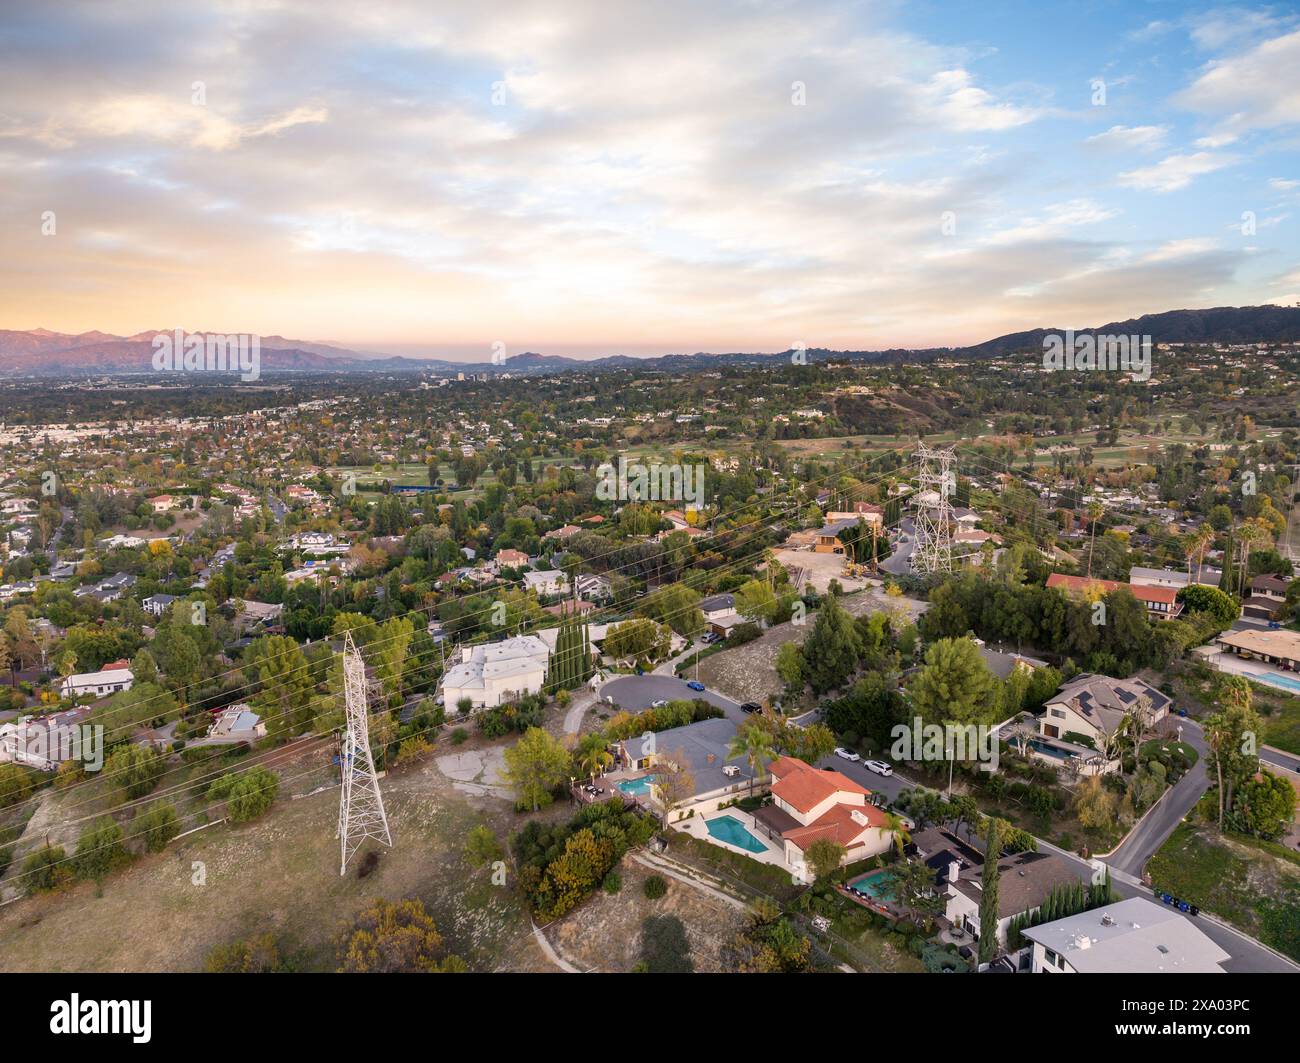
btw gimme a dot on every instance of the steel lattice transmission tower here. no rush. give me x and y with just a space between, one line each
934 523
361 806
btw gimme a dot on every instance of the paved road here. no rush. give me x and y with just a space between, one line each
897 562
1160 822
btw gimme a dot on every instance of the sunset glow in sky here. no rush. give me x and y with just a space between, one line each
591 177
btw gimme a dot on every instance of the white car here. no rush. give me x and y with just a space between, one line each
846 754
878 766
659 704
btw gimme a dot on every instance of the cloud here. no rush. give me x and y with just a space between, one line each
1131 138
1254 90
1174 172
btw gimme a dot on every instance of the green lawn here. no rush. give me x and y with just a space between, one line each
1253 884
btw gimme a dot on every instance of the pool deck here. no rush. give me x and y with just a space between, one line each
697 827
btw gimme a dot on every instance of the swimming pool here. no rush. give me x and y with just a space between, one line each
730 830
1047 750
877 885
1283 681
637 787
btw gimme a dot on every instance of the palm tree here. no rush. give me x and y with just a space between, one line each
1252 533
1095 512
595 759
755 745
897 825
1204 536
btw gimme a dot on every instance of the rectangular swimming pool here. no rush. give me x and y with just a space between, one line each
1283 681
877 885
730 830
637 787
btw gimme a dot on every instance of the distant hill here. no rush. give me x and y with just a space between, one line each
1221 324
43 352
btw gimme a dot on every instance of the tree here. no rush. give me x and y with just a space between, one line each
674 781
754 743
481 846
1210 601
1094 805
1231 735
989 892
954 685
824 857
755 601
396 937
136 769
247 794
1265 806
260 954
832 649
535 766
789 664
156 825
100 850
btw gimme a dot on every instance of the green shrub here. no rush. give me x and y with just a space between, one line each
655 887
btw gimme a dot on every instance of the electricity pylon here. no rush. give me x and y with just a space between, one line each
361 806
934 523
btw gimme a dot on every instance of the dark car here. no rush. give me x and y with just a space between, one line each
750 706
695 684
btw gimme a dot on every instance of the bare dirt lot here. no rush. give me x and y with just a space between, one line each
605 933
281 874
748 672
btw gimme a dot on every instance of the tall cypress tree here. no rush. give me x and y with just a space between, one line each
989 896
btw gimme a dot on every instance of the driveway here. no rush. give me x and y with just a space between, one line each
636 692
1161 820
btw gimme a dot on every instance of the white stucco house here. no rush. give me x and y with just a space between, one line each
100 684
493 673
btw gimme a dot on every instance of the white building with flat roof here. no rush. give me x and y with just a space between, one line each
1134 936
493 673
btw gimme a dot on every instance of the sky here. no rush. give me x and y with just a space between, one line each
598 177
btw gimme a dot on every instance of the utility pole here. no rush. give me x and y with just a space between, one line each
361 806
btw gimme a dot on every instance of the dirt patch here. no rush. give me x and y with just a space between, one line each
281 874
604 934
748 672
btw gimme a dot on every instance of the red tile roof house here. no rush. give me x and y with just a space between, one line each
1161 602
808 804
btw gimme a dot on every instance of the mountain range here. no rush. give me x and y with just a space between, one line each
42 352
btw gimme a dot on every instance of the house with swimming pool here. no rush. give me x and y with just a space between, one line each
809 804
703 749
1086 712
1025 880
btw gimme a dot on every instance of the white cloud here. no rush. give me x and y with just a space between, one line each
1256 89
1131 138
1174 172
1172 250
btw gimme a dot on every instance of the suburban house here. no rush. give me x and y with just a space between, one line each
827 539
593 588
508 558
237 723
156 604
1134 936
1280 648
717 776
497 672
547 582
1168 577
864 510
46 742
1092 707
108 680
809 804
1024 882
1161 602
1267 596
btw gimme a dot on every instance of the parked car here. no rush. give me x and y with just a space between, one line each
658 703
711 638
878 766
846 754
750 706
695 684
